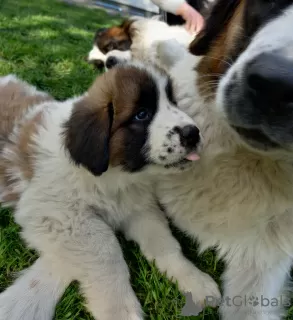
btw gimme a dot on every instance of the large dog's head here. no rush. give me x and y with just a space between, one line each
248 51
128 118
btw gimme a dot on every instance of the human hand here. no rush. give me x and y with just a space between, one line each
194 20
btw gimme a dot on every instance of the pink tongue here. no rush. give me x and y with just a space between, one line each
192 156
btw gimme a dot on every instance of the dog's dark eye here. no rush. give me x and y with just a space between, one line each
142 115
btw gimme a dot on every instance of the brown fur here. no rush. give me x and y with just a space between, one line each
220 52
103 115
16 100
116 37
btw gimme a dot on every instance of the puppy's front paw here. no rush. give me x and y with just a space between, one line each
200 291
119 305
206 291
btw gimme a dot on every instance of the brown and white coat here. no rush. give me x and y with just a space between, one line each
78 170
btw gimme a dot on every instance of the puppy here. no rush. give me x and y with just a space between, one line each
136 38
141 33
74 172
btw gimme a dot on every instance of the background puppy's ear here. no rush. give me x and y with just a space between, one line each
87 136
219 17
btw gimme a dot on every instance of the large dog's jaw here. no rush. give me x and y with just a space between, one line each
256 94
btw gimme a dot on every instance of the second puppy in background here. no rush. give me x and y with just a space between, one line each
135 38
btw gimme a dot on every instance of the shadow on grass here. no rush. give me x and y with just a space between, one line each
45 43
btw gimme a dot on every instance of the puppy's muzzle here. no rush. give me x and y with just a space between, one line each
98 64
111 62
189 136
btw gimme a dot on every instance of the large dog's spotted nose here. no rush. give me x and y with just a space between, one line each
269 82
189 136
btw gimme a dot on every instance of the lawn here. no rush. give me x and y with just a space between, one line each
45 42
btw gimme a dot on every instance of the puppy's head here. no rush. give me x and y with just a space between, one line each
114 38
116 57
128 119
106 40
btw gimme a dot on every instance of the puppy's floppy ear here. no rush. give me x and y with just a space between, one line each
127 27
87 135
219 17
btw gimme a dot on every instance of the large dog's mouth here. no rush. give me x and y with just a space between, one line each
255 138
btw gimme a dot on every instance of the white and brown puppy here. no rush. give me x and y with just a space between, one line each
136 38
139 35
78 170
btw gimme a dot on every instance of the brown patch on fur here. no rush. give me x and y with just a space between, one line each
220 52
116 37
16 161
103 115
15 99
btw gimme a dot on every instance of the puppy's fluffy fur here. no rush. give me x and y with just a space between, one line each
78 170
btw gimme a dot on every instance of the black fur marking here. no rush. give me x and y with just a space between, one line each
135 149
170 134
113 44
220 15
257 13
170 92
87 137
170 150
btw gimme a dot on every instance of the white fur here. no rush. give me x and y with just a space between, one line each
235 199
70 217
34 294
148 33
96 54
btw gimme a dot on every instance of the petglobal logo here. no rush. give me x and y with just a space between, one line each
261 304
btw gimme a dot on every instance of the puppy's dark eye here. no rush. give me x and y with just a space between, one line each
142 115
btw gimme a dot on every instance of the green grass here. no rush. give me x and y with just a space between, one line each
44 42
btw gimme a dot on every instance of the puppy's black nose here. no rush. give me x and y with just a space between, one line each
111 62
189 136
269 81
